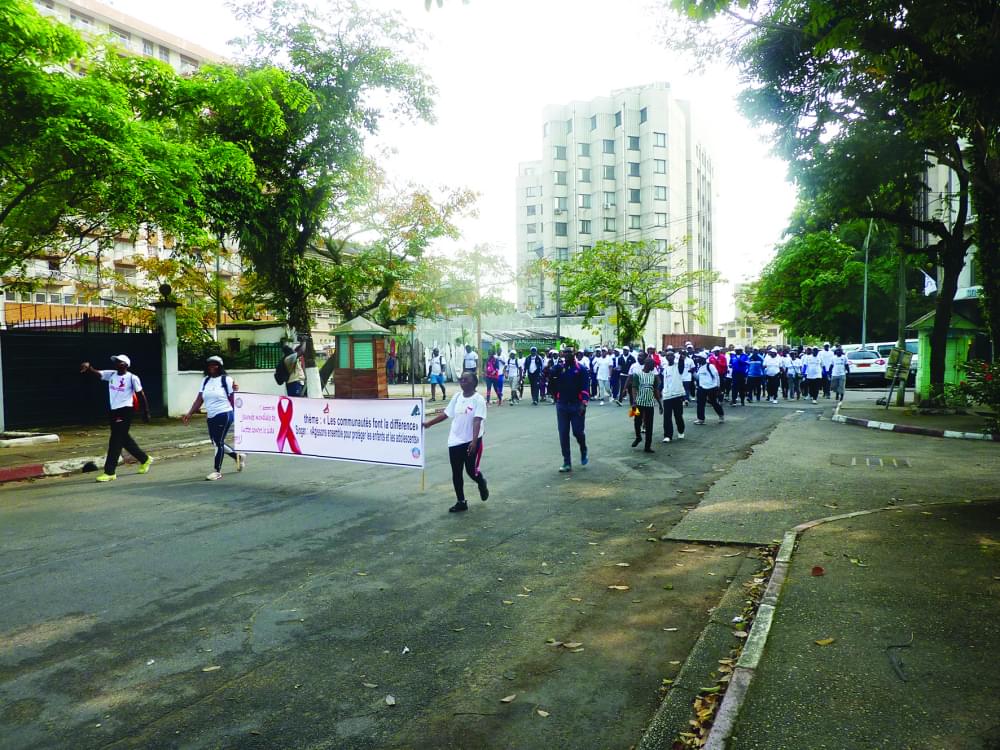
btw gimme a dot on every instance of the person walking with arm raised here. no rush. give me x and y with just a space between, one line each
216 393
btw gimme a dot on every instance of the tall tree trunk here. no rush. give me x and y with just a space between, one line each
985 188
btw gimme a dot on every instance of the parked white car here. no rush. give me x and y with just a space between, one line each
867 366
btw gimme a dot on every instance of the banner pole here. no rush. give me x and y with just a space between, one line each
423 477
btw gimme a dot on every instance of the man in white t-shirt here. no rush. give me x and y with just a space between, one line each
123 389
467 411
826 361
436 370
838 373
603 367
470 360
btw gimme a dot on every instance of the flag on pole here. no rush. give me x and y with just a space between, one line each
930 285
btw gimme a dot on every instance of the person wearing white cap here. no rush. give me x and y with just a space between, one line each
772 374
216 393
826 358
125 394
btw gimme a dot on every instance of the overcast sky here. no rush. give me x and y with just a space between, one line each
497 64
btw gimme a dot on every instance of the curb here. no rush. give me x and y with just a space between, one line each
64 466
746 666
872 424
18 439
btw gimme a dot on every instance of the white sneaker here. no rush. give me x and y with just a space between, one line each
666 440
680 435
241 461
214 475
814 401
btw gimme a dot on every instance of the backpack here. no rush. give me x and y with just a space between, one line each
280 373
491 368
225 387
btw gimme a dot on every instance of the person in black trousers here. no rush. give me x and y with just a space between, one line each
533 366
124 394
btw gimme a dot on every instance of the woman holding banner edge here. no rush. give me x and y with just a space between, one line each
465 446
216 394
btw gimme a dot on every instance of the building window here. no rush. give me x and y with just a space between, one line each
609 224
634 221
188 64
633 169
593 122
10 296
123 36
633 143
531 210
53 265
660 166
608 146
642 115
563 253
633 195
147 48
164 54
583 200
531 228
661 246
661 220
618 119
545 130
583 149
560 229
569 126
559 204
659 139
585 226
583 174
660 193
559 178
610 199
609 172
79 19
532 192
559 152
40 297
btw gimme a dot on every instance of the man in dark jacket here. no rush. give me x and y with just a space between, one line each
570 386
533 365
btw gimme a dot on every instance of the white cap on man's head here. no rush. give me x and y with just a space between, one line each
123 358
215 358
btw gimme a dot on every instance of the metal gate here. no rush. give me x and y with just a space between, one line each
42 384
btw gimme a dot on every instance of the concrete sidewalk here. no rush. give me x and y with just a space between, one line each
903 531
163 438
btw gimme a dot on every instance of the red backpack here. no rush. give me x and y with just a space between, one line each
719 360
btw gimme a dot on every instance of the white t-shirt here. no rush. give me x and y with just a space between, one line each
634 368
603 368
512 369
708 376
688 370
214 397
462 411
772 365
826 358
839 365
121 388
813 366
437 365
471 360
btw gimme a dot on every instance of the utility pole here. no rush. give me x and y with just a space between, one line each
218 292
901 323
558 304
479 314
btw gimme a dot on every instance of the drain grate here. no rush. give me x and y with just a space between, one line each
872 462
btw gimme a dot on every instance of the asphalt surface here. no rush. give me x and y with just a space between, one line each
282 607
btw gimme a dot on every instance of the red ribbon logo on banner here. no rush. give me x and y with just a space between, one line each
285 431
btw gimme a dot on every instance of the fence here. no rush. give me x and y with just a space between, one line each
254 357
117 321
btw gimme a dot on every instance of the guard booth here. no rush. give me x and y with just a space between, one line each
961 335
360 360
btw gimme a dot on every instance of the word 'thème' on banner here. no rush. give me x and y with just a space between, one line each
371 431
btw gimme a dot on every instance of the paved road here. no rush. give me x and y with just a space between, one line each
279 607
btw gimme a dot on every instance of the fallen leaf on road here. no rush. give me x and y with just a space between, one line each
622 565
668 587
507 601
712 574
369 685
637 601
735 554
526 589
573 644
824 641
649 528
671 630
618 588
592 544
542 713
459 540
740 633
575 599
524 596
818 570
360 573
509 698
576 650
390 700
687 550
652 539
458 630
406 649
675 663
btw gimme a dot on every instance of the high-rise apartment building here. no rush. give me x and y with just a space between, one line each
625 167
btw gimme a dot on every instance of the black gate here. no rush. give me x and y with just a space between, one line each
42 384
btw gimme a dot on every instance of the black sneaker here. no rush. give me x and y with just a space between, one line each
458 507
636 441
484 491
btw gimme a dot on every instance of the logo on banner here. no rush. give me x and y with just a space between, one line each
415 452
326 409
416 411
285 431
239 403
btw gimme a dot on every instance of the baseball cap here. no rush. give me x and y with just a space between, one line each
122 358
214 358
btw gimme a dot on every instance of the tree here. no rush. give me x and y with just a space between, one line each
631 279
349 60
848 90
88 152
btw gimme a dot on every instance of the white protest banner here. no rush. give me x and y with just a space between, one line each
372 431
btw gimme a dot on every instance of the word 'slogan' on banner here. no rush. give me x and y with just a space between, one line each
371 431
